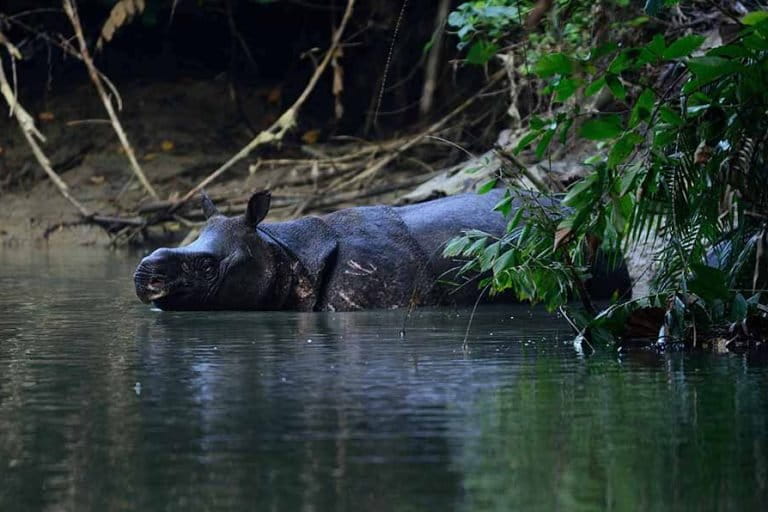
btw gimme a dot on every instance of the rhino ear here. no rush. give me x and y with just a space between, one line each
258 206
209 209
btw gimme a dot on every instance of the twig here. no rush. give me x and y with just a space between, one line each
389 60
31 133
433 61
284 123
510 158
319 202
96 78
419 138
465 344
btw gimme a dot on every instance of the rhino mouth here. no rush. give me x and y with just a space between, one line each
156 291
150 286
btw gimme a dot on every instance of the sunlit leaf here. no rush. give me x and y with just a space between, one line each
755 17
487 186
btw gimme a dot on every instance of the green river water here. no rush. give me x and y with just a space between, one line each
106 404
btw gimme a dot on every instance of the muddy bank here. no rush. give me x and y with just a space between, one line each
181 132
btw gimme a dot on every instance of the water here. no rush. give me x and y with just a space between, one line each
108 405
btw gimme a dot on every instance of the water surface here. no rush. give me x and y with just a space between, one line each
108 405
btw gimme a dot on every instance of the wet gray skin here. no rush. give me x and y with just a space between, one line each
356 258
219 270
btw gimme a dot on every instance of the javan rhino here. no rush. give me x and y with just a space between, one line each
356 258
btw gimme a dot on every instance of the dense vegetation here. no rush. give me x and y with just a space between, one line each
679 157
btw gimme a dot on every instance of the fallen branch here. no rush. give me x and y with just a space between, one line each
96 78
286 121
320 201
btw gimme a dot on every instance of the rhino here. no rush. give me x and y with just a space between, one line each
356 258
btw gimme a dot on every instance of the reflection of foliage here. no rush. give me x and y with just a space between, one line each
685 161
571 436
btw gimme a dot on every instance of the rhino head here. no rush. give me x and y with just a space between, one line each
229 266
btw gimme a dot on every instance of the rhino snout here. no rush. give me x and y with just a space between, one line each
154 278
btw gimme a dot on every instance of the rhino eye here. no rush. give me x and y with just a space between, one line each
208 267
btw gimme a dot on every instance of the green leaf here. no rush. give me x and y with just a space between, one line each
476 246
455 246
623 148
709 68
515 221
504 262
505 205
487 186
603 50
616 87
481 52
755 42
709 283
572 198
489 255
733 51
640 20
565 88
629 178
739 308
553 64
663 136
620 63
753 18
670 116
543 145
657 45
602 128
683 47
643 108
526 140
594 87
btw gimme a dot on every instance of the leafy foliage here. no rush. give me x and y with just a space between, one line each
686 162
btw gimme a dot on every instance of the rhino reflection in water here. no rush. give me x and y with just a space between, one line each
357 258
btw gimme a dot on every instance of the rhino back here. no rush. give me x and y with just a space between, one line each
433 223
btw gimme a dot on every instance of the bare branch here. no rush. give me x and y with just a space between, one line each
96 78
31 133
286 121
